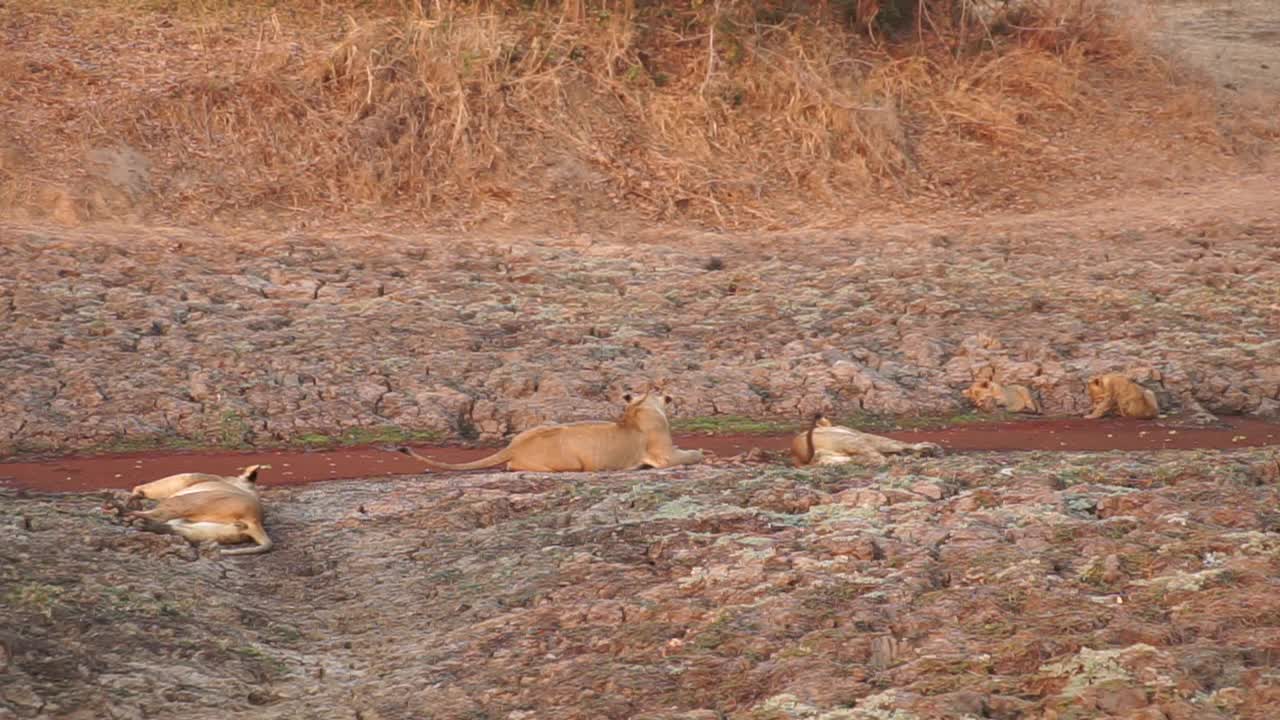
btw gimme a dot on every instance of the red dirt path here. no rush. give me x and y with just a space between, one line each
292 467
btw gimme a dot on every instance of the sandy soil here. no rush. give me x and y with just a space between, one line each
1236 41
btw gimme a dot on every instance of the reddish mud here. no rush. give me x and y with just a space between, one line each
1079 434
292 467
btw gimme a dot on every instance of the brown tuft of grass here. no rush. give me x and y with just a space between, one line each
729 113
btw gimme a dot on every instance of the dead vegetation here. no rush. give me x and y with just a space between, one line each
726 113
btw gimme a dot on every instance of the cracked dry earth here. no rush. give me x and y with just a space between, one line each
135 333
1023 585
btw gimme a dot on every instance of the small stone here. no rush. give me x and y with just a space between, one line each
976 500
862 497
1121 701
860 548
885 650
928 490
1112 570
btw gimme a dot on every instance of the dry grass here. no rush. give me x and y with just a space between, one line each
727 113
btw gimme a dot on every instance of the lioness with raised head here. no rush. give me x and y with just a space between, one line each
640 438
1115 392
206 508
987 395
827 444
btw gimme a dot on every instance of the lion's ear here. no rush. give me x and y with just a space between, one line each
626 398
667 399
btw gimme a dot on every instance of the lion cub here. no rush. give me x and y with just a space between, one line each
1114 391
202 508
987 395
827 444
640 438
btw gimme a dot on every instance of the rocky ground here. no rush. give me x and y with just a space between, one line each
1030 585
1001 585
124 333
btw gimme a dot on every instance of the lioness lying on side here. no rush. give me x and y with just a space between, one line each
827 444
640 438
987 395
1115 392
206 508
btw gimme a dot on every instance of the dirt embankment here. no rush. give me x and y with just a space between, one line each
1035 585
596 115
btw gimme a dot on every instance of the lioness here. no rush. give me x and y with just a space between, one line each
987 395
1114 391
827 444
174 484
202 508
640 438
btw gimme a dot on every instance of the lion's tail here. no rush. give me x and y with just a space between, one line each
497 458
808 438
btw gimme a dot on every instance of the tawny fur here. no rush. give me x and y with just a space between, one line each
640 438
987 395
1114 392
207 508
827 444
172 485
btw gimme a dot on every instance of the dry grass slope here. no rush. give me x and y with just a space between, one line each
728 113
